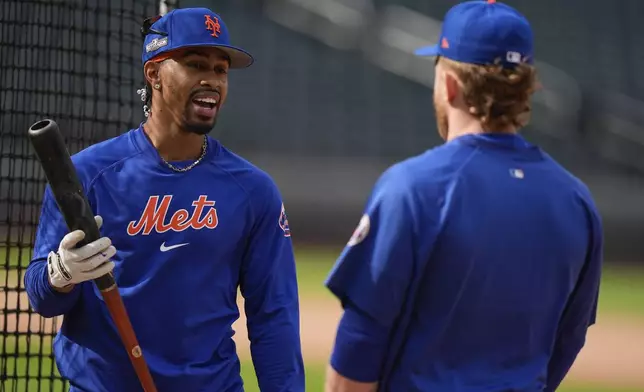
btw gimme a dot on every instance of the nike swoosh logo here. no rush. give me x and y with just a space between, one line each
167 248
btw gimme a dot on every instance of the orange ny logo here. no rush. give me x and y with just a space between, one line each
213 25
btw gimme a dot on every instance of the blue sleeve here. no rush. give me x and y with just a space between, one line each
360 346
580 312
374 272
376 266
269 287
51 229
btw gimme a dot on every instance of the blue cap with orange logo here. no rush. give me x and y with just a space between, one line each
186 28
484 32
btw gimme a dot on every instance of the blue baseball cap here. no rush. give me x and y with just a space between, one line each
190 27
484 32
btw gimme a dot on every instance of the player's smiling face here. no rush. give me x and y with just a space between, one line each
195 86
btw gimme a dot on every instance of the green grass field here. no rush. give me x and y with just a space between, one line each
622 293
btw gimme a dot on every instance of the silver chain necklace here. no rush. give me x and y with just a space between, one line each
204 148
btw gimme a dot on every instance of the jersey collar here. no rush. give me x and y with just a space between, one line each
142 142
502 141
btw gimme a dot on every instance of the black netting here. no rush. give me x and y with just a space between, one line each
77 62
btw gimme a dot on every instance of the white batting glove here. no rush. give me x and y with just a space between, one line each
70 266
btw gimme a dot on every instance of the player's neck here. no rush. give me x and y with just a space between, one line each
172 143
461 125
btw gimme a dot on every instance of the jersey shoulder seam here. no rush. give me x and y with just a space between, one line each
252 209
106 168
453 183
475 152
457 173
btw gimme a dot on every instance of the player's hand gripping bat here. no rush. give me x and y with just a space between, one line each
73 204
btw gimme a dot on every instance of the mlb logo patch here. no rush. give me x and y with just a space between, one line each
513 57
517 173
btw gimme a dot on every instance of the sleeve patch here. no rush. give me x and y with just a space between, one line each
283 222
361 232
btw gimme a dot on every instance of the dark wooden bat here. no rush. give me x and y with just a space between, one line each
61 175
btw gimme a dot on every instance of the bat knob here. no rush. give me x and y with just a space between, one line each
42 126
43 133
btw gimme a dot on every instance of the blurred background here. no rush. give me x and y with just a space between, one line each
334 97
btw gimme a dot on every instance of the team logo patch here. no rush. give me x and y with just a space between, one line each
361 232
283 222
213 25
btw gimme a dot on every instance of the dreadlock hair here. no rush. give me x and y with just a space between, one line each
146 97
146 91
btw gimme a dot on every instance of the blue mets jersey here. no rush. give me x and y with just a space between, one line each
185 243
475 267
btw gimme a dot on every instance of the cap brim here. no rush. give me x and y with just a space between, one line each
239 58
427 51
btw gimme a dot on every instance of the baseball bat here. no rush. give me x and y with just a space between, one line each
61 175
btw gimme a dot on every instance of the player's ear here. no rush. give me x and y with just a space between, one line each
151 72
452 87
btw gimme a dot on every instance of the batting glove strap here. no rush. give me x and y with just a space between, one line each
59 275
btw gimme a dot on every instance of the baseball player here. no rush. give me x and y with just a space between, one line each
476 265
184 222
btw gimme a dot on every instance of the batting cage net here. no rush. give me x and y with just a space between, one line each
78 63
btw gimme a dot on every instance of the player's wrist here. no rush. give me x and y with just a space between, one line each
54 276
60 289
64 289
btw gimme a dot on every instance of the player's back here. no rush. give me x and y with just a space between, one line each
509 240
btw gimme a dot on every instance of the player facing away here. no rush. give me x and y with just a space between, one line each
476 264
185 222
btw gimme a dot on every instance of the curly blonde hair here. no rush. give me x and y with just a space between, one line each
499 97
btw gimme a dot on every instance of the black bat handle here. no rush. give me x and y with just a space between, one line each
65 186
